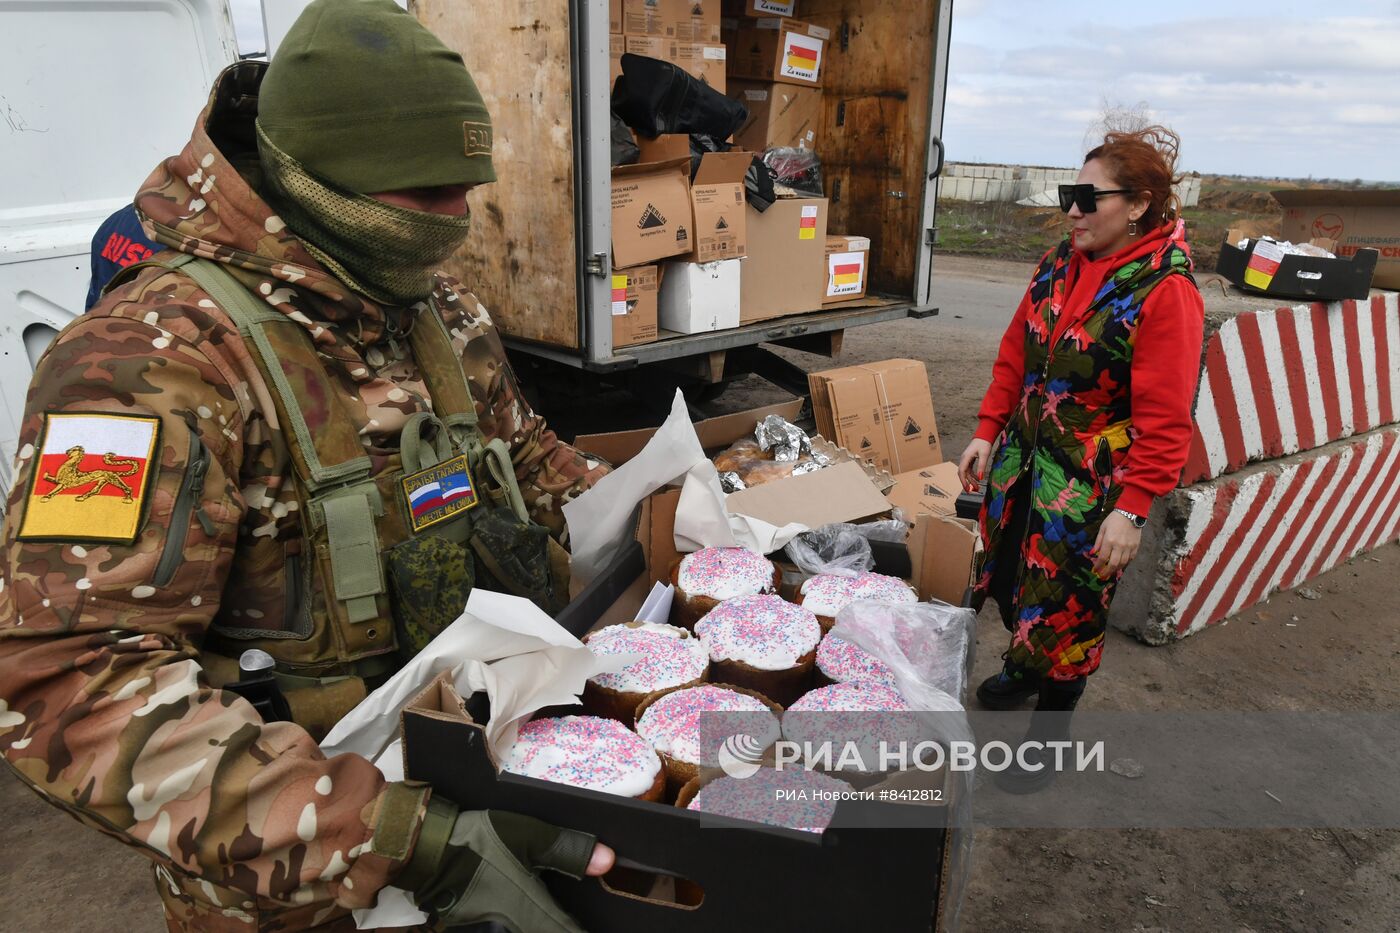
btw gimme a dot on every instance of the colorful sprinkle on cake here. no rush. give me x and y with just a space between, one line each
864 715
671 656
585 751
808 798
827 594
724 573
841 661
674 723
851 697
765 632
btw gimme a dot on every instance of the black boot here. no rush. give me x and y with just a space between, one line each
1049 723
1009 687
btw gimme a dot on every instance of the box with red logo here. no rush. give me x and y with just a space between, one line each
1264 267
847 267
634 305
1355 219
776 49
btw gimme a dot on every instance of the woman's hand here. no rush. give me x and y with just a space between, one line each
972 466
1117 545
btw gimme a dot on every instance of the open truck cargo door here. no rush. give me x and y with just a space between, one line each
541 258
94 94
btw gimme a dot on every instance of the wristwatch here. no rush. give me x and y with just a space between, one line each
1139 521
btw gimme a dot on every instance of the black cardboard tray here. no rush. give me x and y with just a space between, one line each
1311 277
754 878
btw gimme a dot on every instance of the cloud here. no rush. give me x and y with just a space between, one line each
1278 96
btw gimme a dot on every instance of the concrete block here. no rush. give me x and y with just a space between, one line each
1277 382
1216 548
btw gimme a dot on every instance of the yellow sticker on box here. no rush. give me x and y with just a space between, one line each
808 225
619 295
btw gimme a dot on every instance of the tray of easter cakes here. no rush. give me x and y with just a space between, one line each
674 757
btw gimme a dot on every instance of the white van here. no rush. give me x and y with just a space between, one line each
94 93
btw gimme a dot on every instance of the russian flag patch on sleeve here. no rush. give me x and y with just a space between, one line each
438 493
91 477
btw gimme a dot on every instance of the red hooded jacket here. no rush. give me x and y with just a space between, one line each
1166 365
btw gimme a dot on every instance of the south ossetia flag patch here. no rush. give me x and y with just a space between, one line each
91 477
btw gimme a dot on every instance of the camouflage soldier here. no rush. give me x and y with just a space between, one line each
262 441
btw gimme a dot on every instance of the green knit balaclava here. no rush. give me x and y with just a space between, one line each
358 99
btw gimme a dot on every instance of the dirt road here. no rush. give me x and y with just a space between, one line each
1339 652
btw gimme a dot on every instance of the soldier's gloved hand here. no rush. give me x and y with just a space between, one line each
480 865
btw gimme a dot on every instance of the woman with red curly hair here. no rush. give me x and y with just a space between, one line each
1089 414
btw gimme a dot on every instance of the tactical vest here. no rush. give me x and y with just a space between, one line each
381 573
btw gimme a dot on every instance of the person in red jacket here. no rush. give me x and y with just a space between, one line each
1089 415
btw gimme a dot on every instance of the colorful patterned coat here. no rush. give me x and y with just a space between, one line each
1068 441
106 706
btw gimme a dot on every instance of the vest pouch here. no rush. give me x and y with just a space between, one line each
514 556
430 578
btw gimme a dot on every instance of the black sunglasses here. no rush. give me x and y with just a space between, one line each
1086 196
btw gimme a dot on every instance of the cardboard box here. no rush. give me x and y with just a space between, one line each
848 491
615 17
616 46
774 49
643 18
760 9
847 267
882 411
779 114
685 20
945 548
1263 268
652 47
719 856
699 297
717 204
617 447
783 273
444 744
664 148
703 61
695 20
1356 220
651 212
706 61
934 490
846 408
634 305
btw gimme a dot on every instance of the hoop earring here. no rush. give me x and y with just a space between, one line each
1132 228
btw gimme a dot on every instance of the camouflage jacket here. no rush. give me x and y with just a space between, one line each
105 707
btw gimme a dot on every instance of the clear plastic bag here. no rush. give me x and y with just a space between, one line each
840 548
799 169
929 647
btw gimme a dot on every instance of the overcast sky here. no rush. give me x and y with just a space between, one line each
1285 88
1272 88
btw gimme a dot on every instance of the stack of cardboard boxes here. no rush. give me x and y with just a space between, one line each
683 32
689 256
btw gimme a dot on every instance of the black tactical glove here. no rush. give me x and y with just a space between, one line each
478 866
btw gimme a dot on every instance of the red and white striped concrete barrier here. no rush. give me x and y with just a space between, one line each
1294 466
1279 382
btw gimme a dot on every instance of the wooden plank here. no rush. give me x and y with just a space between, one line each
879 87
520 259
